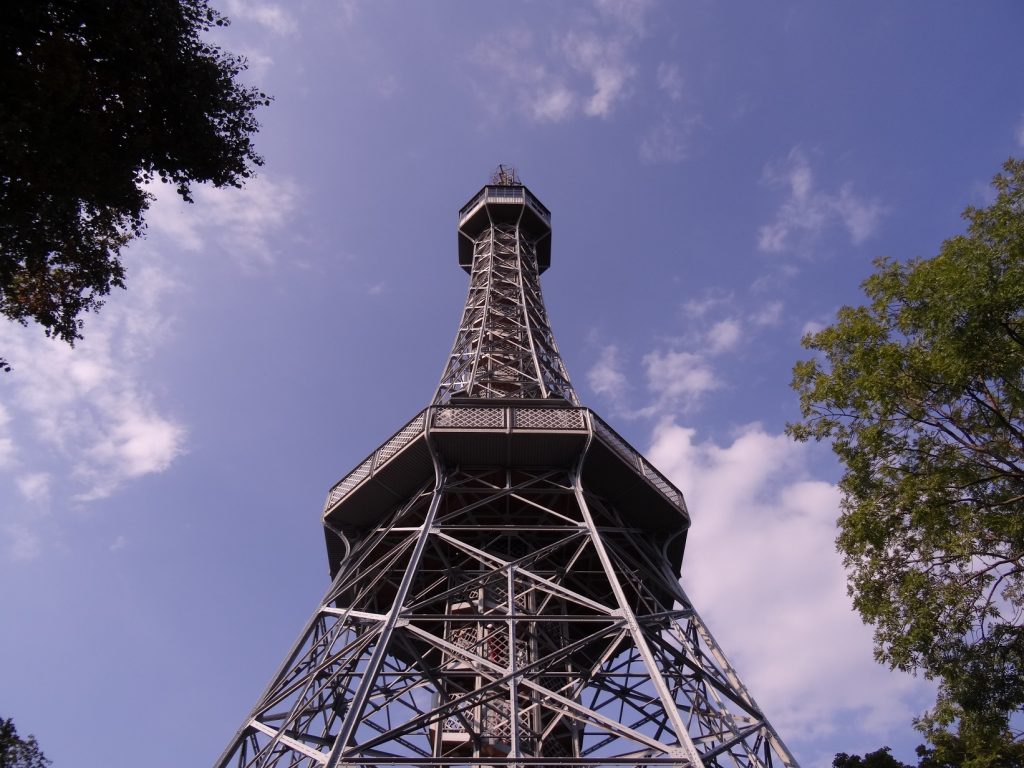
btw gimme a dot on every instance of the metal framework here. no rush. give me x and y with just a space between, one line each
504 346
505 574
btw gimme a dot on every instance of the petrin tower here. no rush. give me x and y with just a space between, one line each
505 571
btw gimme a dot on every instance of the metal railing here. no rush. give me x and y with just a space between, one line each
498 194
503 417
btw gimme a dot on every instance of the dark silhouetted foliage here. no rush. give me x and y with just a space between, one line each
881 758
16 752
98 98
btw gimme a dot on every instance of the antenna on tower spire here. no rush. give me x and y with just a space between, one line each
505 176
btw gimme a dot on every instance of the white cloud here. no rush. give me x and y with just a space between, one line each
258 62
762 570
35 486
601 58
724 335
670 80
138 442
666 142
23 543
629 14
92 414
678 377
584 68
711 300
90 405
270 16
606 376
808 212
6 443
553 105
860 216
770 314
813 326
119 543
241 222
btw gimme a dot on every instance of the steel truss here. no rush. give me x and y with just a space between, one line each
504 346
505 573
506 617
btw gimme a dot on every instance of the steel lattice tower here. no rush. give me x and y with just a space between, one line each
505 572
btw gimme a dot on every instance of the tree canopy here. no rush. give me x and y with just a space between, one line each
99 98
921 392
880 758
17 752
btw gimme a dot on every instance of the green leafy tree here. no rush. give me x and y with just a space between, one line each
921 392
16 752
880 758
99 98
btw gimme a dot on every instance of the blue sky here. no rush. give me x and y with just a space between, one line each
720 178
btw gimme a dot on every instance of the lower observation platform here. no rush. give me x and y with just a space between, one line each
520 434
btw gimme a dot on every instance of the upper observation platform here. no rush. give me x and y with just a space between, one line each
508 202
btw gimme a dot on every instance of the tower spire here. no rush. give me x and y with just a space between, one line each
504 573
504 347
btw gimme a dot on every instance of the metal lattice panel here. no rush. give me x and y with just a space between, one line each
548 418
351 480
504 347
661 483
469 418
381 456
401 439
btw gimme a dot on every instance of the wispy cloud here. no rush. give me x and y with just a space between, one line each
666 142
22 542
673 380
90 404
79 423
553 104
777 602
583 68
601 57
6 441
769 314
348 12
605 377
270 16
707 303
678 379
628 14
724 335
680 371
34 486
815 325
240 222
670 80
807 211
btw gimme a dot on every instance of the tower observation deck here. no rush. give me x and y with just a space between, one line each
505 571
